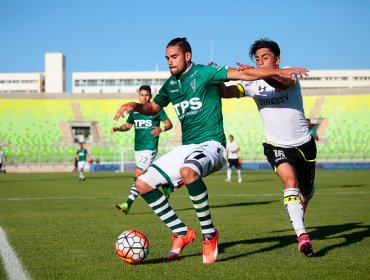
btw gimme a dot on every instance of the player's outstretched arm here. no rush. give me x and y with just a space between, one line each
276 82
252 74
122 128
144 108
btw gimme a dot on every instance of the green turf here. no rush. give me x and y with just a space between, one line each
61 228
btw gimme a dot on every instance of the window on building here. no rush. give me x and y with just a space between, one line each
129 82
92 83
110 82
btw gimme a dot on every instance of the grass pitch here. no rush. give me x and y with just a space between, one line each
61 228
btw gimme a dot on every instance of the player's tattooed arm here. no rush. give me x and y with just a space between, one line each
122 128
282 78
144 108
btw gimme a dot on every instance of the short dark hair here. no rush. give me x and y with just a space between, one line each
182 43
146 87
264 43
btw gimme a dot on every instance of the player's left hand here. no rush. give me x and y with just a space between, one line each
128 107
288 73
243 66
156 131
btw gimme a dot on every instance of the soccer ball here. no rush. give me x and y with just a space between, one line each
132 246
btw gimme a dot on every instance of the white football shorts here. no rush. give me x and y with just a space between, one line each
81 165
143 159
204 158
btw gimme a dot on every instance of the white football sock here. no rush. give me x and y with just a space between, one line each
294 210
239 175
229 174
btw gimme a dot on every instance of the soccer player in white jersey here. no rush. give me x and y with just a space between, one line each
2 161
289 146
147 130
233 159
193 89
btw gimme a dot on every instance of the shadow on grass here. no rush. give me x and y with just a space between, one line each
339 232
230 205
260 180
164 260
330 232
317 233
351 186
342 186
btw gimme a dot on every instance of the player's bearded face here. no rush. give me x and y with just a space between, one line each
177 60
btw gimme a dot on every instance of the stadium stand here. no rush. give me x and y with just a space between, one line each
347 135
33 130
38 130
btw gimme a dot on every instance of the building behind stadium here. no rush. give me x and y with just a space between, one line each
53 80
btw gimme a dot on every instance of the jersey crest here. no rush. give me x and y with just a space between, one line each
193 84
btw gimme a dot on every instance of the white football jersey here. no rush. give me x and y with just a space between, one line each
281 111
232 147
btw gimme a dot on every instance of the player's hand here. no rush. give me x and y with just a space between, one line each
156 131
128 107
288 73
112 130
243 66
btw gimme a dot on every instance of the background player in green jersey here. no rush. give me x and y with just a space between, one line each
81 157
193 90
147 130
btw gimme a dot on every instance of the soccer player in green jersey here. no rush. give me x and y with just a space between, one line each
81 157
193 90
147 130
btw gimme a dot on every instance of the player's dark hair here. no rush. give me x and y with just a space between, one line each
181 42
146 87
264 43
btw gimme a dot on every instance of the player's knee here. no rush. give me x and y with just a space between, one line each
290 182
188 175
142 187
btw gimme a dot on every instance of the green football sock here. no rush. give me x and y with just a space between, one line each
159 203
198 194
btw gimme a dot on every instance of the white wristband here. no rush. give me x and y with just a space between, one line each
163 128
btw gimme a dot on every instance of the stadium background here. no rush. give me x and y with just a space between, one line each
35 129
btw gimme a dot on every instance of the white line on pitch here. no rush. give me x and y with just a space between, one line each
12 265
